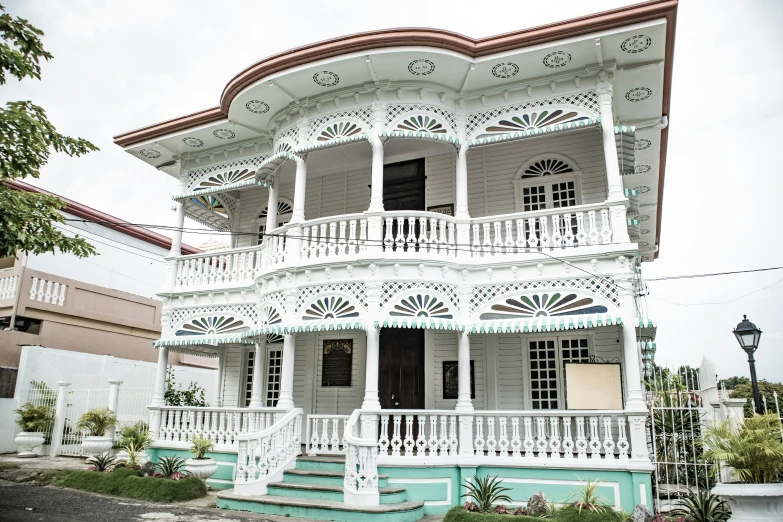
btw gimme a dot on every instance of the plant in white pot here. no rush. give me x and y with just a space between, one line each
754 449
200 466
134 439
97 422
35 421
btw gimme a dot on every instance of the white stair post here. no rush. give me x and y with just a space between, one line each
114 399
256 395
58 425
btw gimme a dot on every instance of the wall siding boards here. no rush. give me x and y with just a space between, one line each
340 400
445 349
440 172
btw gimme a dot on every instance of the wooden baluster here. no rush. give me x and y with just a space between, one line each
383 439
48 294
509 238
478 443
315 439
452 239
554 436
541 442
568 236
396 441
178 268
521 242
581 232
314 240
516 440
410 240
228 267
443 240
532 237
606 229
423 240
421 439
306 243
595 439
557 234
476 243
388 239
218 262
352 237
581 438
332 240
497 244
212 261
33 289
342 244
443 441
608 439
568 441
503 440
242 271
453 439
363 235
433 236
177 425
486 244
432 443
593 233
335 440
325 435
235 268
491 442
408 442
55 288
622 439
399 240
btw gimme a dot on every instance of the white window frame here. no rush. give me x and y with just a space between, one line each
247 377
520 183
526 340
265 389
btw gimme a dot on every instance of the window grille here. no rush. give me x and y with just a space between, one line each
273 377
546 379
251 360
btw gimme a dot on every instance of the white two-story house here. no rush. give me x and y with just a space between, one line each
436 249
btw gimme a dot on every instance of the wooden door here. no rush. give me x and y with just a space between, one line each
403 189
401 368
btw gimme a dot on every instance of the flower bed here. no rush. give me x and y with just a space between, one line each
565 514
130 483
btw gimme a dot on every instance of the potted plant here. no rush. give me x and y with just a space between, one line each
754 449
134 439
200 466
97 422
35 422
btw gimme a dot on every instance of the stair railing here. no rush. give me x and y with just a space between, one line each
360 487
262 457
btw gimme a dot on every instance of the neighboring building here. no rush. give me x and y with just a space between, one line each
102 304
436 251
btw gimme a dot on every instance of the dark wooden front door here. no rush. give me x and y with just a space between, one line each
403 185
401 368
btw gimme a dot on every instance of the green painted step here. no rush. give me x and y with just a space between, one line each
317 476
408 511
324 492
335 463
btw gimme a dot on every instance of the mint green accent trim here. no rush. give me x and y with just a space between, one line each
333 143
630 192
623 129
226 464
429 323
320 513
192 340
642 480
534 132
351 323
327 481
421 135
632 222
644 322
222 188
324 466
437 487
547 324
336 496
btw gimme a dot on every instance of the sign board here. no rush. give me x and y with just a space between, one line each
446 210
337 362
451 380
593 386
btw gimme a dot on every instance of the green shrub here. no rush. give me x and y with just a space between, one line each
137 434
702 507
572 514
754 450
486 492
129 483
97 421
565 514
168 466
33 418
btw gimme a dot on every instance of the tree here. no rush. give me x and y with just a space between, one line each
733 382
767 389
27 137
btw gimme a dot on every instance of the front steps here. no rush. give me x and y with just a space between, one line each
314 489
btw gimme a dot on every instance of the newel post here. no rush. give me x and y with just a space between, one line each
58 425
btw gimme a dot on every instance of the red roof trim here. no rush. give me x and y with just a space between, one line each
120 225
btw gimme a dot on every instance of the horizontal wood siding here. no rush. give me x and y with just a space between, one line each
510 377
445 349
340 400
440 171
233 378
300 367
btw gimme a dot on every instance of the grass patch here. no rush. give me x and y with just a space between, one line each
52 476
129 483
566 514
8 465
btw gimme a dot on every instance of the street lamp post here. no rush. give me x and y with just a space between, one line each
748 336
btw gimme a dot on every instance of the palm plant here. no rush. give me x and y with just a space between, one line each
550 510
587 497
199 447
103 462
486 492
168 466
97 421
136 434
701 506
133 454
754 448
33 418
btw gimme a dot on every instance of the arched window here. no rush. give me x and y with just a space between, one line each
549 181
284 210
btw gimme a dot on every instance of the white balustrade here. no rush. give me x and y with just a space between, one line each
554 228
262 456
329 238
219 268
8 286
425 233
418 433
50 292
223 426
360 485
325 434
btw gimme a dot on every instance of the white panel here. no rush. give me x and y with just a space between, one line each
337 399
233 377
510 373
440 172
300 367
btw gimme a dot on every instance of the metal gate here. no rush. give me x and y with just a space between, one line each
85 393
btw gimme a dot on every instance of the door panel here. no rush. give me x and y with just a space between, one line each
401 368
403 189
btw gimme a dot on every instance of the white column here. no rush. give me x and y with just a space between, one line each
461 212
256 396
176 241
59 418
114 398
371 401
285 400
271 211
613 179
464 403
221 371
376 183
158 399
300 185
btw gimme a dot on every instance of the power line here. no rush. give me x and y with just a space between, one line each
694 276
719 302
109 245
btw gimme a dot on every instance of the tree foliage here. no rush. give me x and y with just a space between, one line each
27 138
733 382
766 389
193 395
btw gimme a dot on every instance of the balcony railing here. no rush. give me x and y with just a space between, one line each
403 234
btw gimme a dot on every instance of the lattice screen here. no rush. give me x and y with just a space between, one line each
361 113
390 290
604 287
395 111
248 311
357 290
195 176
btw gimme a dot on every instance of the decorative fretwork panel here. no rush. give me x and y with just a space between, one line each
363 114
356 290
542 304
196 175
587 100
249 311
547 167
330 307
393 112
601 286
290 134
422 304
391 290
212 325
277 298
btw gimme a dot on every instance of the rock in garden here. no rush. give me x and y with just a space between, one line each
148 469
536 505
20 475
641 513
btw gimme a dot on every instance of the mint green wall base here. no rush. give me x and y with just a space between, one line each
319 513
223 477
437 487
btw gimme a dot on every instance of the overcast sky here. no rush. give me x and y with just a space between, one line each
122 65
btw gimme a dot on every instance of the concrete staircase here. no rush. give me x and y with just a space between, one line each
314 490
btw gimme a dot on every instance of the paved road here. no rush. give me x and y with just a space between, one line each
27 503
